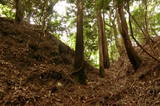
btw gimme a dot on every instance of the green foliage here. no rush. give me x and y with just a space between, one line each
6 11
102 4
71 1
113 52
90 38
152 19
120 1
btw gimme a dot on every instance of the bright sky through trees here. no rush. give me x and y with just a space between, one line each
61 7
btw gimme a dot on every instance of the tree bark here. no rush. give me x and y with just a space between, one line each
79 47
132 55
103 50
105 46
19 11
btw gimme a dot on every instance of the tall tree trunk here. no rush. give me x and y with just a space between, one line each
28 10
79 47
132 55
105 45
19 11
103 50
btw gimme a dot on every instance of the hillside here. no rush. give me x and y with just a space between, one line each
35 70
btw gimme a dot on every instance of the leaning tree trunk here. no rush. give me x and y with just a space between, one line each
132 55
19 11
103 51
79 48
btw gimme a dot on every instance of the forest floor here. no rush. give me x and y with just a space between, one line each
35 70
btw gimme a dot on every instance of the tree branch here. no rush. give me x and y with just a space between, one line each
132 35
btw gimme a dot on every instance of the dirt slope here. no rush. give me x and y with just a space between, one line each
35 71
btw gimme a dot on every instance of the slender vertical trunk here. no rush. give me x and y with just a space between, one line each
79 48
19 11
44 16
132 55
28 10
103 51
105 45
146 27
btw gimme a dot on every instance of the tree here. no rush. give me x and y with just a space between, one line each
113 27
79 47
132 55
19 11
103 45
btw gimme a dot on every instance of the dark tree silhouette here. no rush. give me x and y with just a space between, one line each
79 48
